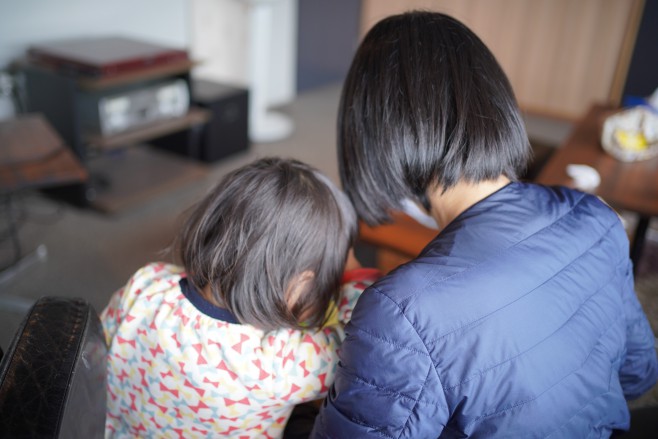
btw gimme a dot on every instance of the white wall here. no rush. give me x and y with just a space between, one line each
220 40
215 31
25 22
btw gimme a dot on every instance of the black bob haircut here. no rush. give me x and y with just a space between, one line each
425 104
260 227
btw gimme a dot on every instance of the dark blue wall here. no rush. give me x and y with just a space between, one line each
642 77
327 39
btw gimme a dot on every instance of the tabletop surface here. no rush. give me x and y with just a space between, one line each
33 155
629 186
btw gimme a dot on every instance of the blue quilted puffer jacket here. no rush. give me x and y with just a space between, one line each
519 320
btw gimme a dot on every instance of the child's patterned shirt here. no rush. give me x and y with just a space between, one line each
180 367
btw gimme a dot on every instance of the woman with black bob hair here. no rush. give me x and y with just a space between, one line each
519 319
425 104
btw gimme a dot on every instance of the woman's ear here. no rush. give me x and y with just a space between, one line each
298 286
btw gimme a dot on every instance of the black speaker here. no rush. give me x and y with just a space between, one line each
227 131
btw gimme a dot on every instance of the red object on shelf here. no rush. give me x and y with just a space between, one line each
102 57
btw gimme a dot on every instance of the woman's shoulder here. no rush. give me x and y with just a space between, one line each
414 277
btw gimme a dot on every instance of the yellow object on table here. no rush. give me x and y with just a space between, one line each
633 141
631 135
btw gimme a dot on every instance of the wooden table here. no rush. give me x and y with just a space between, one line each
397 242
33 155
625 186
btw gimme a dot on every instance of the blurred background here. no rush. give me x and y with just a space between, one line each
261 77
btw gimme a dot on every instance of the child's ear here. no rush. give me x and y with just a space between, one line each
298 286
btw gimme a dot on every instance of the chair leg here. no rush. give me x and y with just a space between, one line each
638 241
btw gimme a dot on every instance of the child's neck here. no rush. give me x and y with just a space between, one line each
207 294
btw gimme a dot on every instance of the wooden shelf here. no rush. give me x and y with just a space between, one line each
171 69
195 116
136 175
95 84
123 172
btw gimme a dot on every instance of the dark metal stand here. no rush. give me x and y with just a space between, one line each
638 241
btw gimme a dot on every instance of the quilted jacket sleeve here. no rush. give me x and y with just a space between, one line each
640 369
386 384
